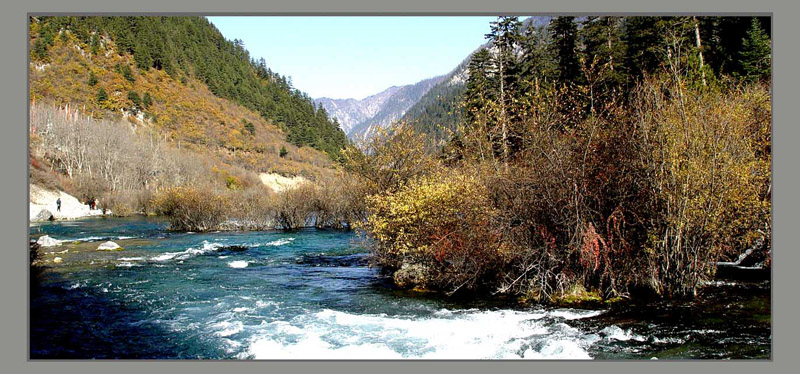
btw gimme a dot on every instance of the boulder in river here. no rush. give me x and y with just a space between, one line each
43 215
47 241
109 246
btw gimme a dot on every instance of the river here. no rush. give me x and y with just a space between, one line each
310 294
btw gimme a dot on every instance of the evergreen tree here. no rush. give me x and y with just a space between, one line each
643 38
564 33
95 45
101 96
249 126
537 61
40 49
135 99
147 101
480 85
601 59
505 35
603 46
92 79
283 152
756 54
126 72
142 57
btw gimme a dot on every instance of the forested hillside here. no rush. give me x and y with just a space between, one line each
184 49
438 112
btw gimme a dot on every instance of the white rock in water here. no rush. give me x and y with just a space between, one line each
57 260
108 246
47 241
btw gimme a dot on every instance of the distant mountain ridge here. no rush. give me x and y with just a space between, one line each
351 112
360 118
430 105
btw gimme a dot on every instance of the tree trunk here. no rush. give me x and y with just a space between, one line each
503 110
699 49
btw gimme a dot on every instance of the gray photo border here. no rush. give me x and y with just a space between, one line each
14 151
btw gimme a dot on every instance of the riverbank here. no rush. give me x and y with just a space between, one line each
43 206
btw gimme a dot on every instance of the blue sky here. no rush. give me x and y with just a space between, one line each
354 57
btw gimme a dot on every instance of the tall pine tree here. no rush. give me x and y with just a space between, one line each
756 54
505 35
564 35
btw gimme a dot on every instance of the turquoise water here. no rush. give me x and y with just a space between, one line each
311 294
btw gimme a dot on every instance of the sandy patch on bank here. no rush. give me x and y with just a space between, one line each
71 208
280 183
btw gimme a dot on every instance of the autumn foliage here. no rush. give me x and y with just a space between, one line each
643 198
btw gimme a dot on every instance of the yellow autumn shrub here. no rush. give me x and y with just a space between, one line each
441 226
710 177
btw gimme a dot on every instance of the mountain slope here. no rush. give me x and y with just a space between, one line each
438 111
180 109
186 49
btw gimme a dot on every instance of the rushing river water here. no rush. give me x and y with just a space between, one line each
310 294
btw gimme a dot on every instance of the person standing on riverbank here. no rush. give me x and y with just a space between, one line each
58 205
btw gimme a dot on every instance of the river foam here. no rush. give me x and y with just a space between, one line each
206 247
238 264
470 334
273 243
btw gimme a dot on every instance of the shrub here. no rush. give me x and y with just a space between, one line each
438 231
390 158
704 153
292 208
641 197
121 204
43 177
337 201
189 209
251 209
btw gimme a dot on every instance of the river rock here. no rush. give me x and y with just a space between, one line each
43 215
47 241
411 276
109 246
58 260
